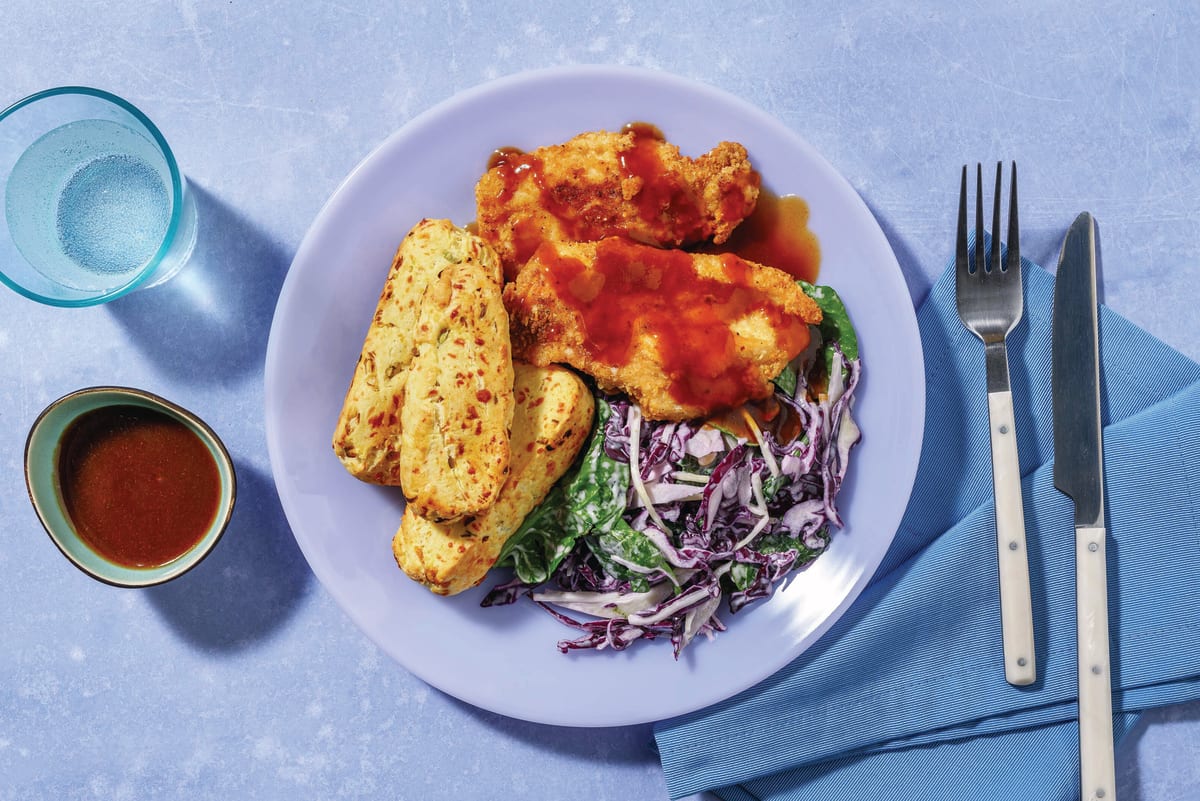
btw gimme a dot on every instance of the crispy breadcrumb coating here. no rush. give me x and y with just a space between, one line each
602 184
683 334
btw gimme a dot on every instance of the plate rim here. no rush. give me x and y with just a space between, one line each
905 473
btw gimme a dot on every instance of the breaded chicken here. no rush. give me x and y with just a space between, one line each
683 334
551 422
430 402
603 184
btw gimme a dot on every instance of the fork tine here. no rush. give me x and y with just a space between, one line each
962 259
994 261
979 264
1012 260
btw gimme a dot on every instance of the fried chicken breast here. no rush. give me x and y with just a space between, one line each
684 334
602 184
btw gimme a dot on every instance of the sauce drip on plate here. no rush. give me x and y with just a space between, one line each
776 234
139 487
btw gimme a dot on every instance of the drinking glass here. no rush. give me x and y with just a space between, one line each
94 205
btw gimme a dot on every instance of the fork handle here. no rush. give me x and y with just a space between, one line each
1016 606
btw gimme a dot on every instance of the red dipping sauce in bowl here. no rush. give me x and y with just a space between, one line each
133 489
139 486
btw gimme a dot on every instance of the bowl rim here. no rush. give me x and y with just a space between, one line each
189 559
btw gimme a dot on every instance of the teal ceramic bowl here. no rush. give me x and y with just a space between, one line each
42 477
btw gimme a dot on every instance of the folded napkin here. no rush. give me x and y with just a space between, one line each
905 696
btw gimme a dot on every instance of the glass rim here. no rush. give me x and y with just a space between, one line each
176 195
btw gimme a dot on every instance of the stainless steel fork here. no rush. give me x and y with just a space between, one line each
990 305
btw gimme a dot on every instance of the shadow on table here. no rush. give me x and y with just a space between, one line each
212 319
621 745
250 584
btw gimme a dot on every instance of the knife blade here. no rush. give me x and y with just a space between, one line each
1079 473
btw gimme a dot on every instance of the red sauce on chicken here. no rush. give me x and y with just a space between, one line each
633 292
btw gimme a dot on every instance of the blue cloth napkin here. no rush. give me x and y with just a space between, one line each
905 696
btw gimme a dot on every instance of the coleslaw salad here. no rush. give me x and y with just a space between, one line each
657 523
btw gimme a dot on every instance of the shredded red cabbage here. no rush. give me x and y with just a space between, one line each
658 524
707 518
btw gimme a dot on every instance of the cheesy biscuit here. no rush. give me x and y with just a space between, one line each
551 422
436 361
458 402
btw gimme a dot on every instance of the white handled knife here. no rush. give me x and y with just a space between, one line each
1079 473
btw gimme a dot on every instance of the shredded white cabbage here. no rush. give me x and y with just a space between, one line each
635 478
609 605
768 457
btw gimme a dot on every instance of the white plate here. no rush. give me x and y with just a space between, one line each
505 659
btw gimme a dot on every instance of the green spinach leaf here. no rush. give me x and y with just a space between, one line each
590 497
778 543
742 574
786 381
622 542
835 322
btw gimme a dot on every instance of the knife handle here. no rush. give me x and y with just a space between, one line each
1097 770
1016 606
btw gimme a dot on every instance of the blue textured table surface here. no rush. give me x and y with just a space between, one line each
244 679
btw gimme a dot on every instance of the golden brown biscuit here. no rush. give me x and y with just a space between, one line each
458 402
439 302
551 422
